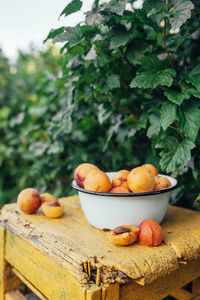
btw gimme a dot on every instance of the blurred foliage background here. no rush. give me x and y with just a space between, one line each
112 97
40 145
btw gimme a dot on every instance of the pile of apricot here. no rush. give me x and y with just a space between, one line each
149 233
141 179
29 201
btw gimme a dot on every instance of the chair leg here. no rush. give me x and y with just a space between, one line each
196 286
182 294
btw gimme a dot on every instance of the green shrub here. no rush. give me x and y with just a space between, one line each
137 71
29 95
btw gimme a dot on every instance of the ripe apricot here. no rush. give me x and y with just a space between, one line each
124 235
141 180
150 233
120 179
29 200
161 183
119 189
81 172
47 197
97 181
152 169
52 209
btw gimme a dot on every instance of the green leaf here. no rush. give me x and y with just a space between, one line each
113 82
175 154
120 37
196 93
91 54
151 34
180 13
93 19
55 148
72 7
189 89
154 128
176 97
154 11
190 120
152 73
117 6
73 35
194 77
168 114
112 130
151 79
102 114
54 32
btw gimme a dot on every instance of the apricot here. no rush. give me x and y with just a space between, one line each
46 197
97 181
120 179
151 168
161 183
81 172
29 200
124 235
150 233
52 209
119 189
141 180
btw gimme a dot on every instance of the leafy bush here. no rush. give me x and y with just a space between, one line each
137 71
128 94
29 95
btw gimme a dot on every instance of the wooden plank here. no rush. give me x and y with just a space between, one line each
93 293
110 292
74 242
11 281
181 294
51 279
163 286
29 285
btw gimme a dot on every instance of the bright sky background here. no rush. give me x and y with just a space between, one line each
23 22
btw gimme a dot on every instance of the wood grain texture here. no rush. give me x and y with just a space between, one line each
74 244
164 285
49 277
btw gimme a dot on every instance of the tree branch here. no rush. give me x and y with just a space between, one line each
125 109
125 58
165 46
177 130
120 106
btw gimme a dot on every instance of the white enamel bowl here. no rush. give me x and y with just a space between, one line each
109 210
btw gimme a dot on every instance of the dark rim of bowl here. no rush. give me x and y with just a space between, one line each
78 188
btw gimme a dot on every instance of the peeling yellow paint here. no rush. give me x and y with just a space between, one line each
67 258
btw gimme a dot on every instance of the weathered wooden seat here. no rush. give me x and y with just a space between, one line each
67 258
